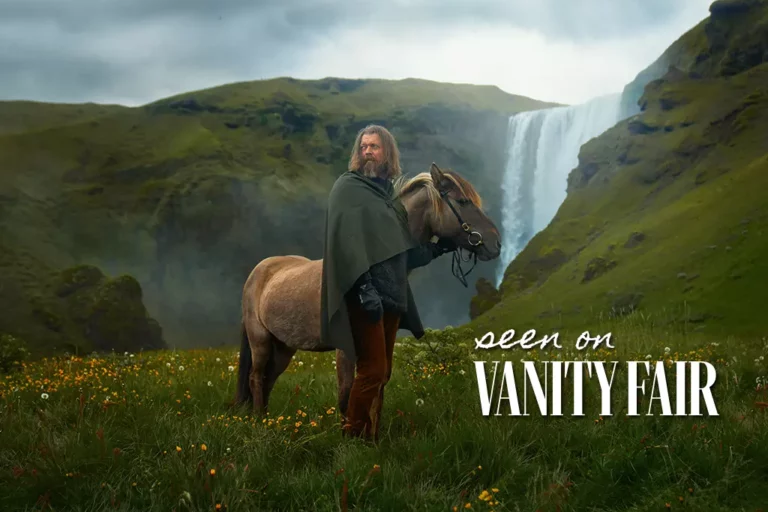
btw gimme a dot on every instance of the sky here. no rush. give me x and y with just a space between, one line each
133 52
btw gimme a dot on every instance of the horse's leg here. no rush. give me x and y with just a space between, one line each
260 340
281 358
345 376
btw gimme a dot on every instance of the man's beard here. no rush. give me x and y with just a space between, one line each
373 170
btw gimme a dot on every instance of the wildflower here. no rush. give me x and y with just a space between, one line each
231 368
181 368
494 490
667 350
229 450
213 472
178 448
462 372
218 359
203 447
168 365
419 402
468 505
210 384
376 466
218 506
44 396
648 356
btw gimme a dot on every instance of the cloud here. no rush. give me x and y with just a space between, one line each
135 52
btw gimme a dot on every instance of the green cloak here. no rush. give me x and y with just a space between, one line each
364 225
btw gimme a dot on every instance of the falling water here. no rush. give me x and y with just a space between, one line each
543 148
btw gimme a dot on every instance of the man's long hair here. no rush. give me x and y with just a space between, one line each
391 153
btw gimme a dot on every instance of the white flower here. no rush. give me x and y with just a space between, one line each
419 402
648 356
210 384
761 358
44 396
218 359
301 363
132 355
181 368
667 350
231 368
229 450
125 353
462 372
168 365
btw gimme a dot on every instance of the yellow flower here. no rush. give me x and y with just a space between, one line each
376 466
485 495
213 472
203 447
468 505
178 448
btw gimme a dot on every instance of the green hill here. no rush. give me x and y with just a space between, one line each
188 193
666 217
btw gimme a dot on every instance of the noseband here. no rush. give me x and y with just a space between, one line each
458 256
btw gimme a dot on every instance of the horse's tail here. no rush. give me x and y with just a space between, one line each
244 374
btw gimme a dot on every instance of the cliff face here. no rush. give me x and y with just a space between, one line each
666 211
187 194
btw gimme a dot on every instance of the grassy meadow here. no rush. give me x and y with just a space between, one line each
156 431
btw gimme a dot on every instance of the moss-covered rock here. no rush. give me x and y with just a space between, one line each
485 298
596 268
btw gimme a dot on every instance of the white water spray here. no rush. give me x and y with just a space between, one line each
542 150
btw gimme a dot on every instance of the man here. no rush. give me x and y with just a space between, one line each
367 256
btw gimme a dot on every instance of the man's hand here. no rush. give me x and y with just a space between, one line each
371 302
443 246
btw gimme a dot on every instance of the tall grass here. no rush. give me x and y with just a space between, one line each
155 431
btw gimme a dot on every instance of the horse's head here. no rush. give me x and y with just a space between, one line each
443 203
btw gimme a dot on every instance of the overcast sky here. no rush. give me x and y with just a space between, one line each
136 51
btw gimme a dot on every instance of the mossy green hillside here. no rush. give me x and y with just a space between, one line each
188 193
666 213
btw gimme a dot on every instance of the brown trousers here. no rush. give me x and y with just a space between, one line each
374 344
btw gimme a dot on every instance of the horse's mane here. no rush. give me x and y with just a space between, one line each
423 180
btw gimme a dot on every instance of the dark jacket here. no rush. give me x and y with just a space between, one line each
390 277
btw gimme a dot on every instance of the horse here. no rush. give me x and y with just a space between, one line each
281 297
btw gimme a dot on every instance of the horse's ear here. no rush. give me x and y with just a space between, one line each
437 174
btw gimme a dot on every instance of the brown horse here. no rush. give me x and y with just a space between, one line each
281 298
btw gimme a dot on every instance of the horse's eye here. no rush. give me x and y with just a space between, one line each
463 201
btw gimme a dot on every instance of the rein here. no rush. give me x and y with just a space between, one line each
458 255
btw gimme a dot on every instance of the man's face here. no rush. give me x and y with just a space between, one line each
371 150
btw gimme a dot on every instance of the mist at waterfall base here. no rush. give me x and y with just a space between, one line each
542 149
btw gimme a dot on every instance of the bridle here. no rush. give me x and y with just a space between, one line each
458 255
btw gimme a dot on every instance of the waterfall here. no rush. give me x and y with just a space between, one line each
542 149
